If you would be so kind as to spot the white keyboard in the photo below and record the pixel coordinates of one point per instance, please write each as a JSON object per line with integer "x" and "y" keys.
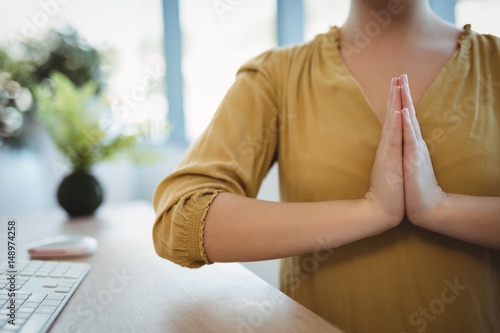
{"x": 42, "y": 289}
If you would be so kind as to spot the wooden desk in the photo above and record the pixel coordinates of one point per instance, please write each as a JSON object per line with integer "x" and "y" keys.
{"x": 131, "y": 289}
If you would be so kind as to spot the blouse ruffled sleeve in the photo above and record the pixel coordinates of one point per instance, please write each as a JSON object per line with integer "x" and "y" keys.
{"x": 233, "y": 155}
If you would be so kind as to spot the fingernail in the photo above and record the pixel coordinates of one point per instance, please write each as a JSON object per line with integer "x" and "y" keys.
{"x": 393, "y": 81}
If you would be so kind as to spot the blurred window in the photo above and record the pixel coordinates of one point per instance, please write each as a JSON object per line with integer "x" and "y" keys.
{"x": 130, "y": 32}
{"x": 481, "y": 14}
{"x": 320, "y": 15}
{"x": 218, "y": 37}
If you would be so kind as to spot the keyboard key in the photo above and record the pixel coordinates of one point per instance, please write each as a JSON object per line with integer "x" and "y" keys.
{"x": 31, "y": 304}
{"x": 56, "y": 297}
{"x": 18, "y": 301}
{"x": 42, "y": 274}
{"x": 35, "y": 323}
{"x": 44, "y": 289}
{"x": 22, "y": 315}
{"x": 11, "y": 328}
{"x": 37, "y": 297}
{"x": 73, "y": 274}
{"x": 25, "y": 310}
{"x": 57, "y": 274}
{"x": 62, "y": 290}
{"x": 20, "y": 321}
{"x": 46, "y": 309}
{"x": 21, "y": 295}
{"x": 4, "y": 311}
{"x": 50, "y": 284}
{"x": 51, "y": 302}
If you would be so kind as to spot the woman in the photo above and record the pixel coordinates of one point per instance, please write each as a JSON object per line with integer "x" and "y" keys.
{"x": 390, "y": 219}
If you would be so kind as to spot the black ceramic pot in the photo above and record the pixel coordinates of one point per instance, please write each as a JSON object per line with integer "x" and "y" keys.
{"x": 80, "y": 193}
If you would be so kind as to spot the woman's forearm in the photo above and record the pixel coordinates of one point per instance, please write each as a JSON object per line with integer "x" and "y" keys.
{"x": 472, "y": 219}
{"x": 244, "y": 229}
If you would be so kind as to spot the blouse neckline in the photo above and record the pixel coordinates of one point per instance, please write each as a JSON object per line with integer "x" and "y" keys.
{"x": 460, "y": 55}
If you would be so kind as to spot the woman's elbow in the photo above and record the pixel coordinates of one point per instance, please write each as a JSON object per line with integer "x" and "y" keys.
{"x": 172, "y": 242}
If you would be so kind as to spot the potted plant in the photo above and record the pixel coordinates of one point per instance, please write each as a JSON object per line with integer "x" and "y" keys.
{"x": 63, "y": 50}
{"x": 71, "y": 116}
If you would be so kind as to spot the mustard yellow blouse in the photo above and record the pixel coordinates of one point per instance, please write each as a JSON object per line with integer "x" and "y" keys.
{"x": 301, "y": 108}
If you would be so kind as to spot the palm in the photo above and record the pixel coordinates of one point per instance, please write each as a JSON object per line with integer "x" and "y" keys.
{"x": 422, "y": 192}
{"x": 386, "y": 189}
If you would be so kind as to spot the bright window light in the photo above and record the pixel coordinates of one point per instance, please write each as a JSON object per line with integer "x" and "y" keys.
{"x": 218, "y": 37}
{"x": 481, "y": 14}
{"x": 131, "y": 30}
{"x": 320, "y": 15}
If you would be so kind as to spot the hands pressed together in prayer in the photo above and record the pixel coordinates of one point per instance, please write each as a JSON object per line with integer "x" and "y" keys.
{"x": 403, "y": 182}
{"x": 402, "y": 179}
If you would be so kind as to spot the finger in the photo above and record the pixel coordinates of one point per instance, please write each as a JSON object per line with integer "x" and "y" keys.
{"x": 407, "y": 102}
{"x": 396, "y": 100}
{"x": 387, "y": 137}
{"x": 394, "y": 117}
{"x": 397, "y": 142}
{"x": 410, "y": 145}
{"x": 394, "y": 83}
{"x": 403, "y": 79}
{"x": 394, "y": 105}
{"x": 406, "y": 98}
{"x": 396, "y": 135}
{"x": 393, "y": 153}
{"x": 410, "y": 142}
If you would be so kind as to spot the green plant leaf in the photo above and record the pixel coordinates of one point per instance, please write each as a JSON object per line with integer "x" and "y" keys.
{"x": 74, "y": 127}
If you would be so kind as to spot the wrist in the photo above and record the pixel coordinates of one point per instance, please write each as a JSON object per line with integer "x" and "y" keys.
{"x": 376, "y": 215}
{"x": 434, "y": 215}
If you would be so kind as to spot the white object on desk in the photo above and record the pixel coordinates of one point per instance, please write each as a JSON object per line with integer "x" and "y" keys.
{"x": 63, "y": 246}
{"x": 42, "y": 289}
